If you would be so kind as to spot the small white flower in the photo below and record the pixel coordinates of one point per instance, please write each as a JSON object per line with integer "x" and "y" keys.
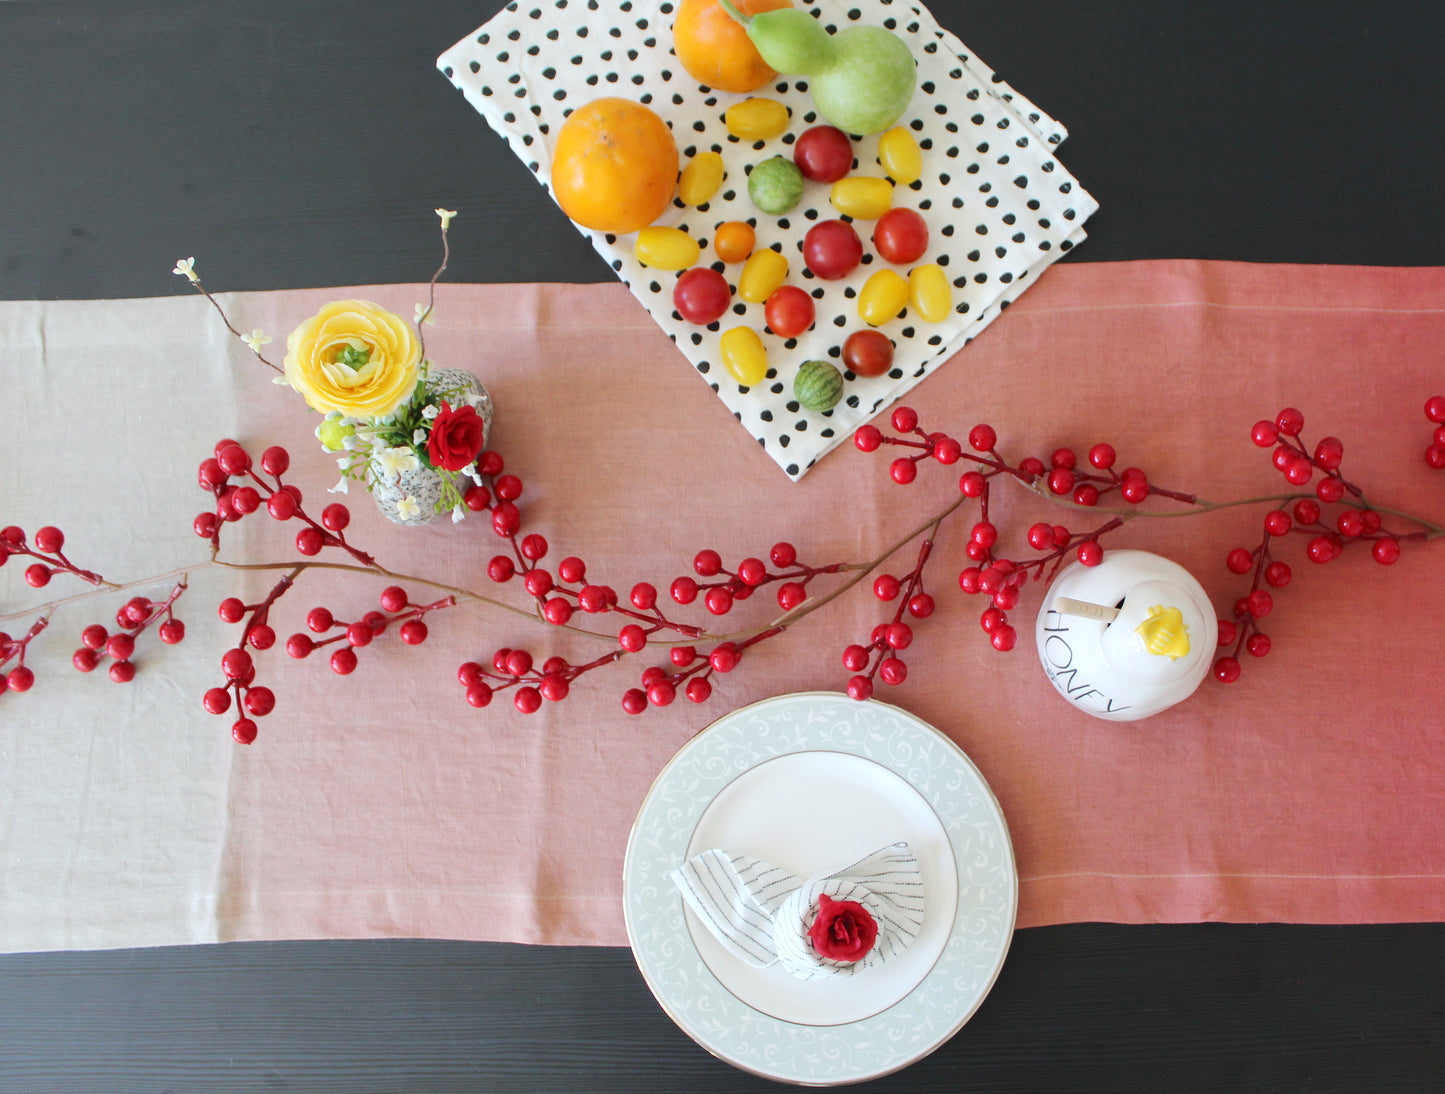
{"x": 474, "y": 474}
{"x": 418, "y": 436}
{"x": 424, "y": 314}
{"x": 343, "y": 486}
{"x": 186, "y": 267}
{"x": 429, "y": 412}
{"x": 446, "y": 215}
{"x": 351, "y": 444}
{"x": 407, "y": 508}
{"x": 256, "y": 339}
{"x": 459, "y": 513}
{"x": 396, "y": 460}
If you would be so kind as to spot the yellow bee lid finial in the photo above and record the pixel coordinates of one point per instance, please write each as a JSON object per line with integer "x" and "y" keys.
{"x": 1165, "y": 633}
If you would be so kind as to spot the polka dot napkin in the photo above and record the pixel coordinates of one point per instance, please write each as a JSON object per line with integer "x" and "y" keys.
{"x": 998, "y": 204}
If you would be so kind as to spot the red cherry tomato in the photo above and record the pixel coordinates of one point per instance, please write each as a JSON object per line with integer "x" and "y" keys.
{"x": 701, "y": 295}
{"x": 868, "y": 353}
{"x": 832, "y": 249}
{"x": 900, "y": 236}
{"x": 823, "y": 153}
{"x": 789, "y": 311}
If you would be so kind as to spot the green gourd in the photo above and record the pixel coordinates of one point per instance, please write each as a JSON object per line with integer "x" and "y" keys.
{"x": 818, "y": 385}
{"x": 861, "y": 78}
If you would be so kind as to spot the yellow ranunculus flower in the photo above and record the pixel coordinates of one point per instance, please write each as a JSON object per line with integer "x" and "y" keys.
{"x": 353, "y": 357}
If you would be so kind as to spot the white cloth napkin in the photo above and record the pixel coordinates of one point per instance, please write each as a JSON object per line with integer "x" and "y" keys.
{"x": 762, "y": 913}
{"x": 998, "y": 204}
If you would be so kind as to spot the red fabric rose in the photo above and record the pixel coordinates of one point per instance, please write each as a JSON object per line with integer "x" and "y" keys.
{"x": 843, "y": 930}
{"x": 456, "y": 438}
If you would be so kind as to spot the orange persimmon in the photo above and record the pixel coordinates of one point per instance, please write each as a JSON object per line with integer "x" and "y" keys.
{"x": 715, "y": 49}
{"x": 614, "y": 166}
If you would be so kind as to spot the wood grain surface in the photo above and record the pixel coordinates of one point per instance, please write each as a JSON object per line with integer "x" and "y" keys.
{"x": 306, "y": 143}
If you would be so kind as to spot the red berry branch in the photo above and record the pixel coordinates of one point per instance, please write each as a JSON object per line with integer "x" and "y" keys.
{"x": 1002, "y": 579}
{"x": 688, "y": 655}
{"x": 282, "y": 500}
{"x": 97, "y": 643}
{"x": 558, "y": 596}
{"x": 1354, "y": 522}
{"x": 133, "y": 618}
{"x": 47, "y": 548}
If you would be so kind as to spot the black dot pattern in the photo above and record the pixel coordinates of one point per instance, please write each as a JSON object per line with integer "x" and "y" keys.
{"x": 998, "y": 204}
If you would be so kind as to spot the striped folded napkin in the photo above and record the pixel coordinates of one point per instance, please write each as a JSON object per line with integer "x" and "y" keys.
{"x": 765, "y": 915}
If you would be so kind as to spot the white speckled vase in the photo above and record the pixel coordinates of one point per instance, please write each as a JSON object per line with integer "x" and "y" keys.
{"x": 425, "y": 485}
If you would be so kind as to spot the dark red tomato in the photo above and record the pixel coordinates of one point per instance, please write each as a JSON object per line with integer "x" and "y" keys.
{"x": 868, "y": 353}
{"x": 823, "y": 153}
{"x": 789, "y": 311}
{"x": 832, "y": 249}
{"x": 900, "y": 236}
{"x": 701, "y": 295}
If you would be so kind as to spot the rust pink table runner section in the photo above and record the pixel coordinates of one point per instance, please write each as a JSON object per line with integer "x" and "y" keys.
{"x": 382, "y": 805}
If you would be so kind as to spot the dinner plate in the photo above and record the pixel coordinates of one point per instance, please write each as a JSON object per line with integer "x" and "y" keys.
{"x": 811, "y": 782}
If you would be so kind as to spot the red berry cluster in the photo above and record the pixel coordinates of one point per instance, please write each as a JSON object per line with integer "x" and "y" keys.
{"x": 397, "y": 610}
{"x": 237, "y": 499}
{"x": 21, "y": 677}
{"x": 721, "y": 588}
{"x": 47, "y": 549}
{"x": 1352, "y": 523}
{"x": 1435, "y": 411}
{"x": 133, "y": 618}
{"x": 880, "y": 656}
{"x": 238, "y": 666}
{"x": 1000, "y": 579}
{"x": 515, "y": 668}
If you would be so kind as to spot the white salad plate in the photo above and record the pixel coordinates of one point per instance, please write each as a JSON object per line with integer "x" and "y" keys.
{"x": 813, "y": 782}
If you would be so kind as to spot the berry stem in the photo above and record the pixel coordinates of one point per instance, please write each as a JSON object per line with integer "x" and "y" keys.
{"x": 263, "y": 609}
{"x": 106, "y": 587}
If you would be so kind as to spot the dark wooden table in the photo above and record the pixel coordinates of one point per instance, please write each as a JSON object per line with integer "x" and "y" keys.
{"x": 305, "y": 144}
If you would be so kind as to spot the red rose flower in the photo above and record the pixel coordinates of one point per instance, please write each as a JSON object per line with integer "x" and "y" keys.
{"x": 843, "y": 930}
{"x": 456, "y": 438}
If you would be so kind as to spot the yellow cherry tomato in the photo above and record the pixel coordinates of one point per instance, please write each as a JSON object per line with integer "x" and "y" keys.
{"x": 862, "y": 197}
{"x": 666, "y": 248}
{"x": 763, "y": 272}
{"x": 700, "y": 178}
{"x": 744, "y": 355}
{"x": 900, "y": 156}
{"x": 929, "y": 293}
{"x": 756, "y": 119}
{"x": 734, "y": 240}
{"x": 882, "y": 297}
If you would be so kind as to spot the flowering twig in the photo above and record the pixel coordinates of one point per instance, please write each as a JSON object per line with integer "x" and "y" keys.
{"x": 186, "y": 268}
